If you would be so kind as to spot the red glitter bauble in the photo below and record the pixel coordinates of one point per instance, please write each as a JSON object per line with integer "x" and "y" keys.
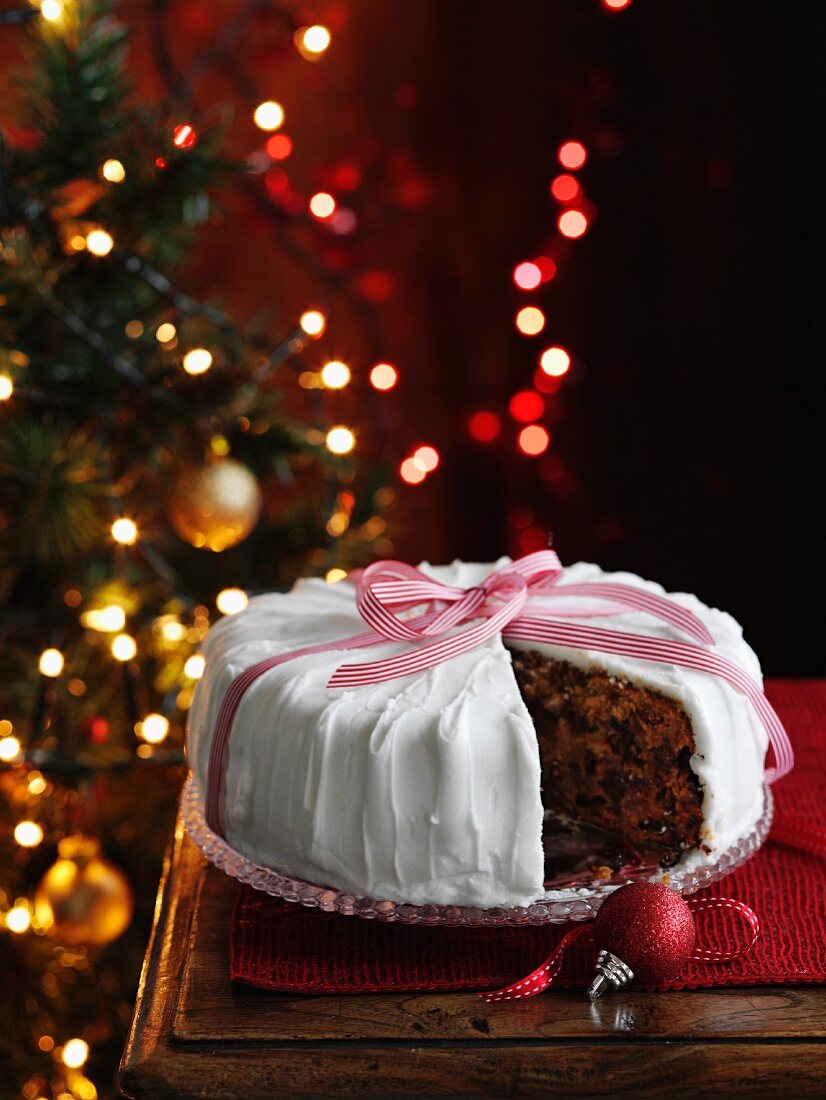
{"x": 649, "y": 927}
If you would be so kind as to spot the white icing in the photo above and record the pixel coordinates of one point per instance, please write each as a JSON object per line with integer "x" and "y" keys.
{"x": 427, "y": 788}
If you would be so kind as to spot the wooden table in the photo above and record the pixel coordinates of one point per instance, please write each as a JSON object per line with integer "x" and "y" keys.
{"x": 194, "y": 1036}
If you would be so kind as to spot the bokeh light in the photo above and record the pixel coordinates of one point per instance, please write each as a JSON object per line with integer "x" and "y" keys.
{"x": 565, "y": 188}
{"x": 268, "y": 115}
{"x": 9, "y": 749}
{"x": 124, "y": 531}
{"x": 197, "y": 361}
{"x": 322, "y": 205}
{"x": 572, "y": 224}
{"x": 335, "y": 375}
{"x": 412, "y": 472}
{"x": 230, "y": 601}
{"x": 484, "y": 426}
{"x": 311, "y": 42}
{"x": 28, "y": 834}
{"x": 51, "y": 663}
{"x": 99, "y": 242}
{"x": 526, "y": 405}
{"x": 74, "y": 1053}
{"x": 313, "y": 322}
{"x": 383, "y": 376}
{"x": 340, "y": 440}
{"x": 194, "y": 667}
{"x": 279, "y": 146}
{"x": 530, "y": 320}
{"x": 113, "y": 171}
{"x": 572, "y": 155}
{"x": 184, "y": 136}
{"x": 18, "y": 919}
{"x": 6, "y": 387}
{"x": 124, "y": 647}
{"x": 427, "y": 457}
{"x": 534, "y": 440}
{"x": 154, "y": 728}
{"x": 333, "y": 576}
{"x": 615, "y": 5}
{"x": 527, "y": 276}
{"x": 555, "y": 361}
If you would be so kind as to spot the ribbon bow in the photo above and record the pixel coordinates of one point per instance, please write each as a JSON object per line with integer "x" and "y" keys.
{"x": 457, "y": 620}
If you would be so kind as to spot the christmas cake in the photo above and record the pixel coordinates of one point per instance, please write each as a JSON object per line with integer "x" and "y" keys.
{"x": 474, "y": 782}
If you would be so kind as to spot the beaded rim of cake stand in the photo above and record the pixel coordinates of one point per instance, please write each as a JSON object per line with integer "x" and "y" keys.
{"x": 573, "y": 904}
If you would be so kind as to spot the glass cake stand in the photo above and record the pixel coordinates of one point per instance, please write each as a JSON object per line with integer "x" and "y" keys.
{"x": 577, "y": 900}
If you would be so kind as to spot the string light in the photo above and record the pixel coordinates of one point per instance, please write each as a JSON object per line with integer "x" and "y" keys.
{"x": 37, "y": 784}
{"x": 322, "y": 205}
{"x": 74, "y": 1053}
{"x": 311, "y": 42}
{"x": 6, "y": 387}
{"x": 51, "y": 663}
{"x": 616, "y": 5}
{"x": 124, "y": 531}
{"x": 530, "y": 320}
{"x": 194, "y": 667}
{"x": 340, "y": 440}
{"x": 107, "y": 620}
{"x": 28, "y": 834}
{"x": 113, "y": 171}
{"x": 335, "y": 575}
{"x": 527, "y": 276}
{"x": 526, "y": 405}
{"x": 154, "y": 728}
{"x": 165, "y": 332}
{"x": 383, "y": 376}
{"x": 335, "y": 375}
{"x": 484, "y": 426}
{"x": 268, "y": 115}
{"x": 99, "y": 242}
{"x": 572, "y": 224}
{"x": 231, "y": 600}
{"x": 555, "y": 361}
{"x": 534, "y": 440}
{"x": 572, "y": 155}
{"x": 18, "y": 919}
{"x": 565, "y": 188}
{"x": 547, "y": 267}
{"x": 124, "y": 647}
{"x": 51, "y": 10}
{"x": 184, "y": 136}
{"x": 173, "y": 631}
{"x": 9, "y": 749}
{"x": 427, "y": 457}
{"x": 197, "y": 361}
{"x": 313, "y": 322}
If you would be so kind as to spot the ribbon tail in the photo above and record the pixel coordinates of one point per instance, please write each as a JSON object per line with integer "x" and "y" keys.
{"x": 543, "y": 977}
{"x": 713, "y": 954}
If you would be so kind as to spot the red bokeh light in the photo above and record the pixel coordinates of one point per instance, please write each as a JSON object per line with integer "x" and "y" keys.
{"x": 616, "y": 5}
{"x": 565, "y": 188}
{"x": 547, "y": 267}
{"x": 527, "y": 276}
{"x": 347, "y": 177}
{"x": 276, "y": 181}
{"x": 427, "y": 457}
{"x": 411, "y": 472}
{"x": 383, "y": 376}
{"x": 184, "y": 136}
{"x": 545, "y": 383}
{"x": 572, "y": 224}
{"x": 279, "y": 146}
{"x": 376, "y": 286}
{"x": 161, "y": 163}
{"x": 572, "y": 155}
{"x": 534, "y": 440}
{"x": 533, "y": 539}
{"x": 484, "y": 426}
{"x": 520, "y": 516}
{"x": 526, "y": 405}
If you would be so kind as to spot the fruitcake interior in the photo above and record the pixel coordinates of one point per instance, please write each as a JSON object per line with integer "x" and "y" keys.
{"x": 614, "y": 756}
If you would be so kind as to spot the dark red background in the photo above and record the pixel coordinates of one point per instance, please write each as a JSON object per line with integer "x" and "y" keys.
{"x": 690, "y": 439}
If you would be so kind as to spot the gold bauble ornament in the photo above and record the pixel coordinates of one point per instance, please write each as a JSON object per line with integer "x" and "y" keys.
{"x": 83, "y": 898}
{"x": 215, "y": 506}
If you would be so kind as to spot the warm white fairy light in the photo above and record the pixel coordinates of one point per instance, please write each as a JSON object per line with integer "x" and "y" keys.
{"x": 173, "y": 631}
{"x": 107, "y": 620}
{"x": 124, "y": 647}
{"x": 335, "y": 375}
{"x": 99, "y": 242}
{"x": 51, "y": 10}
{"x": 312, "y": 41}
{"x": 124, "y": 531}
{"x": 18, "y": 919}
{"x": 9, "y": 749}
{"x": 231, "y": 600}
{"x": 268, "y": 115}
{"x": 154, "y": 728}
{"x": 165, "y": 332}
{"x": 6, "y": 387}
{"x": 340, "y": 440}
{"x": 335, "y": 575}
{"x": 74, "y": 1053}
{"x": 313, "y": 322}
{"x": 113, "y": 171}
{"x": 197, "y": 361}
{"x": 51, "y": 663}
{"x": 194, "y": 667}
{"x": 28, "y": 834}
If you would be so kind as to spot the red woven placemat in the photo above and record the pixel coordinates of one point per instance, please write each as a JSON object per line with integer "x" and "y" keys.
{"x": 281, "y": 946}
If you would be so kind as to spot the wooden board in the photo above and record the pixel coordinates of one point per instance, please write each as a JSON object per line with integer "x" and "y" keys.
{"x": 194, "y": 1035}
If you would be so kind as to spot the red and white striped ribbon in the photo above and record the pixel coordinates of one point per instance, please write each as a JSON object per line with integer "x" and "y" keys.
{"x": 547, "y": 972}
{"x": 460, "y": 619}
